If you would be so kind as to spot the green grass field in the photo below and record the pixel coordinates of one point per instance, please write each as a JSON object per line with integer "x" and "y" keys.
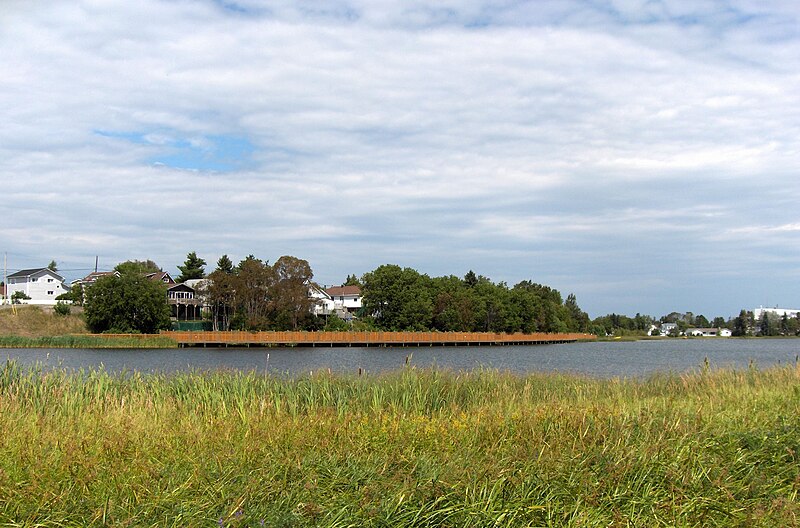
{"x": 410, "y": 448}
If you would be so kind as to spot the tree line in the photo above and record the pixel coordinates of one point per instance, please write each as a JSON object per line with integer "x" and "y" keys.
{"x": 257, "y": 295}
{"x": 744, "y": 324}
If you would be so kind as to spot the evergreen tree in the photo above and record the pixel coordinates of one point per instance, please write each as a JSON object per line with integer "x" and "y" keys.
{"x": 53, "y": 266}
{"x": 765, "y": 324}
{"x": 740, "y": 324}
{"x": 193, "y": 268}
{"x": 225, "y": 265}
{"x": 352, "y": 280}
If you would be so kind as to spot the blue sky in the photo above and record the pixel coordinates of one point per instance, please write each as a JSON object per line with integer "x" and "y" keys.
{"x": 641, "y": 154}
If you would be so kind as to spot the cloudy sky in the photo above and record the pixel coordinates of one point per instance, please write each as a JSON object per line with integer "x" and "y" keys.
{"x": 641, "y": 154}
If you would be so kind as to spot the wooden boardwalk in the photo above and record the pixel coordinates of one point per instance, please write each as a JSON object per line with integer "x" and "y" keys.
{"x": 365, "y": 339}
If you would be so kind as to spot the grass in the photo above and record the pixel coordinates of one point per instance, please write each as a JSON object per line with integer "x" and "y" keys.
{"x": 33, "y": 321}
{"x": 88, "y": 341}
{"x": 410, "y": 448}
{"x": 34, "y": 327}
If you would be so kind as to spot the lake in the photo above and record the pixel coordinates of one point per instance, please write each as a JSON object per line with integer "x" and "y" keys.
{"x": 599, "y": 359}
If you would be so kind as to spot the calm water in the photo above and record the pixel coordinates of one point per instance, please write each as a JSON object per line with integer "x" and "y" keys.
{"x": 606, "y": 359}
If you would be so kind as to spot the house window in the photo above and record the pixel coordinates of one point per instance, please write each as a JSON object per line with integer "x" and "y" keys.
{"x": 34, "y": 279}
{"x": 50, "y": 292}
{"x": 49, "y": 280}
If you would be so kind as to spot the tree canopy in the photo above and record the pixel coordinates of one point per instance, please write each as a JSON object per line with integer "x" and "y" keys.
{"x": 396, "y": 298}
{"x": 130, "y": 303}
{"x": 255, "y": 295}
{"x": 137, "y": 267}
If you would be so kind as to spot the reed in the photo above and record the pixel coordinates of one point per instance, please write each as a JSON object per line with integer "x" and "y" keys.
{"x": 408, "y": 448}
{"x": 87, "y": 341}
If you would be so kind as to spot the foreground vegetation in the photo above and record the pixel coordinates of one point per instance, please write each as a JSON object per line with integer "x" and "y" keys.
{"x": 410, "y": 448}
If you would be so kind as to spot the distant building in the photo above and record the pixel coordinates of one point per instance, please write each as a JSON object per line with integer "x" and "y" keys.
{"x": 667, "y": 328}
{"x": 778, "y": 312}
{"x": 708, "y": 332}
{"x": 42, "y": 285}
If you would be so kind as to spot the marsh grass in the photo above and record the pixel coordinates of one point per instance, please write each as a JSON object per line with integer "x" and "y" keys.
{"x": 87, "y": 341}
{"x": 409, "y": 448}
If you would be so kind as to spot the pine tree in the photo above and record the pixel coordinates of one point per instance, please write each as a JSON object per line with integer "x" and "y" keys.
{"x": 193, "y": 268}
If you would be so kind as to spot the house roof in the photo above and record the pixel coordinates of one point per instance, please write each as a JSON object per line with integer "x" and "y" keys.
{"x": 343, "y": 291}
{"x": 160, "y": 276}
{"x": 34, "y": 271}
{"x": 179, "y": 286}
{"x": 93, "y": 276}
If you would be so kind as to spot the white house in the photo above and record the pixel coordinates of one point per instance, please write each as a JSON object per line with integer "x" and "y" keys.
{"x": 345, "y": 297}
{"x": 708, "y": 332}
{"x": 667, "y": 328}
{"x": 342, "y": 301}
{"x": 42, "y": 285}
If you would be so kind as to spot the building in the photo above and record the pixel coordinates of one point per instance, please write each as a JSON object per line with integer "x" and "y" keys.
{"x": 708, "y": 332}
{"x": 345, "y": 297}
{"x": 183, "y": 302}
{"x": 342, "y": 301}
{"x": 778, "y": 313}
{"x": 42, "y": 285}
{"x": 92, "y": 278}
{"x": 668, "y": 328}
{"x": 161, "y": 276}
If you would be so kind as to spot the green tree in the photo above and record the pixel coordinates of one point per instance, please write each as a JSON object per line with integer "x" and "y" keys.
{"x": 220, "y": 293}
{"x": 225, "y": 265}
{"x": 130, "y": 303}
{"x": 765, "y": 325}
{"x": 53, "y": 266}
{"x": 193, "y": 268}
{"x": 785, "y": 324}
{"x": 290, "y": 302}
{"x": 253, "y": 287}
{"x": 741, "y": 324}
{"x": 137, "y": 267}
{"x": 701, "y": 322}
{"x": 352, "y": 280}
{"x": 18, "y": 296}
{"x": 398, "y": 298}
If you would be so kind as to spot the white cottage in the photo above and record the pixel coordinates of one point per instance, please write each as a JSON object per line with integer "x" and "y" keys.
{"x": 42, "y": 285}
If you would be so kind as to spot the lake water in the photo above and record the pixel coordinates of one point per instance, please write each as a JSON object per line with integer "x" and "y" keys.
{"x": 600, "y": 359}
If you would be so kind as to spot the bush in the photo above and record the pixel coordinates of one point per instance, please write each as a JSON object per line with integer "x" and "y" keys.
{"x": 62, "y": 308}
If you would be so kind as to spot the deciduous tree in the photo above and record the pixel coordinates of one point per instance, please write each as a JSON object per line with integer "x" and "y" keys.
{"x": 129, "y": 303}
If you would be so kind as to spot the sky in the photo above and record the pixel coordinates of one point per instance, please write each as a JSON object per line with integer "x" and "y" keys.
{"x": 643, "y": 155}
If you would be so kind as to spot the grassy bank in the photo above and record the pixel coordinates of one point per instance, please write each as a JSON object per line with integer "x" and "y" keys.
{"x": 411, "y": 448}
{"x": 36, "y": 321}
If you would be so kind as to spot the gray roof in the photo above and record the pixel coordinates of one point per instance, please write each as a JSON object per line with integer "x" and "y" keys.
{"x": 33, "y": 271}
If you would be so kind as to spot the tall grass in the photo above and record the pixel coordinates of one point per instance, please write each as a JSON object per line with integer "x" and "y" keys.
{"x": 87, "y": 341}
{"x": 37, "y": 321}
{"x": 409, "y": 448}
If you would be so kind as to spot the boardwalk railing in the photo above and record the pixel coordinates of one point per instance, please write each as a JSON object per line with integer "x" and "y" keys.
{"x": 237, "y": 338}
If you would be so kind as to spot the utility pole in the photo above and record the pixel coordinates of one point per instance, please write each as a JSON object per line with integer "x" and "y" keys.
{"x": 95, "y": 263}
